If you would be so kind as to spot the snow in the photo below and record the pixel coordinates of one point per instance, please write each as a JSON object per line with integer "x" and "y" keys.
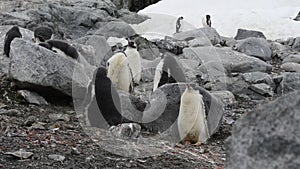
{"x": 272, "y": 17}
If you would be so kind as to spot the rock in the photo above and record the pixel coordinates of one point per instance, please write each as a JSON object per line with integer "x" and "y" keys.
{"x": 13, "y": 113}
{"x": 126, "y": 130}
{"x": 118, "y": 29}
{"x": 148, "y": 69}
{"x": 45, "y": 72}
{"x": 59, "y": 117}
{"x": 199, "y": 41}
{"x": 131, "y": 17}
{"x": 102, "y": 50}
{"x": 189, "y": 64}
{"x": 203, "y": 33}
{"x": 290, "y": 82}
{"x": 262, "y": 89}
{"x": 147, "y": 49}
{"x": 229, "y": 42}
{"x": 169, "y": 45}
{"x": 280, "y": 50}
{"x": 244, "y": 34}
{"x": 297, "y": 18}
{"x": 267, "y": 137}
{"x": 225, "y": 96}
{"x": 292, "y": 58}
{"x": 56, "y": 157}
{"x": 226, "y": 59}
{"x": 291, "y": 67}
{"x": 162, "y": 112}
{"x": 296, "y": 44}
{"x": 258, "y": 77}
{"x": 22, "y": 154}
{"x": 133, "y": 5}
{"x": 33, "y": 97}
{"x": 256, "y": 47}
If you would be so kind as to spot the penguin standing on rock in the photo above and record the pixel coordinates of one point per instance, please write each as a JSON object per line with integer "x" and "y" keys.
{"x": 119, "y": 72}
{"x": 61, "y": 48}
{"x": 42, "y": 33}
{"x": 168, "y": 70}
{"x": 134, "y": 60}
{"x": 192, "y": 120}
{"x": 206, "y": 21}
{"x": 13, "y": 33}
{"x": 179, "y": 24}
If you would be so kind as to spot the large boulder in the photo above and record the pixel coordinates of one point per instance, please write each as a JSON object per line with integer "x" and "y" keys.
{"x": 41, "y": 70}
{"x": 258, "y": 77}
{"x": 256, "y": 47}
{"x": 230, "y": 61}
{"x": 203, "y": 33}
{"x": 244, "y": 34}
{"x": 289, "y": 82}
{"x": 268, "y": 137}
{"x": 118, "y": 29}
{"x": 102, "y": 51}
{"x": 134, "y": 5}
{"x": 131, "y": 17}
{"x": 292, "y": 58}
{"x": 291, "y": 67}
{"x": 296, "y": 44}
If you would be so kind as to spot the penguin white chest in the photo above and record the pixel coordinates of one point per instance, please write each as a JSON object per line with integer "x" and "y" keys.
{"x": 134, "y": 60}
{"x": 158, "y": 74}
{"x": 118, "y": 71}
{"x": 192, "y": 124}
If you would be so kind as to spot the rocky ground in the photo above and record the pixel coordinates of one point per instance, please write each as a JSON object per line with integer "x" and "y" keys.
{"x": 245, "y": 73}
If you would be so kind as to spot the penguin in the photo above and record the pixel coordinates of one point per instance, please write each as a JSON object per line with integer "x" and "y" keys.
{"x": 192, "y": 118}
{"x": 42, "y": 33}
{"x": 168, "y": 70}
{"x": 134, "y": 59}
{"x": 206, "y": 21}
{"x": 11, "y": 34}
{"x": 108, "y": 100}
{"x": 119, "y": 72}
{"x": 179, "y": 24}
{"x": 60, "y": 47}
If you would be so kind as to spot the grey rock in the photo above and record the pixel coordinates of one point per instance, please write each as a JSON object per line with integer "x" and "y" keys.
{"x": 292, "y": 58}
{"x": 290, "y": 82}
{"x": 13, "y": 112}
{"x": 56, "y": 157}
{"x": 297, "y": 18}
{"x": 267, "y": 137}
{"x": 33, "y": 97}
{"x": 199, "y": 41}
{"x": 126, "y": 130}
{"x": 162, "y": 112}
{"x": 280, "y": 50}
{"x": 22, "y": 154}
{"x": 59, "y": 117}
{"x": 118, "y": 29}
{"x": 291, "y": 67}
{"x": 226, "y": 59}
{"x": 45, "y": 72}
{"x": 244, "y": 34}
{"x": 296, "y": 44}
{"x": 257, "y": 47}
{"x": 170, "y": 45}
{"x": 134, "y": 5}
{"x": 148, "y": 69}
{"x": 189, "y": 64}
{"x": 149, "y": 53}
{"x": 258, "y": 77}
{"x": 203, "y": 33}
{"x": 229, "y": 42}
{"x": 102, "y": 50}
{"x": 131, "y": 17}
{"x": 262, "y": 89}
{"x": 225, "y": 96}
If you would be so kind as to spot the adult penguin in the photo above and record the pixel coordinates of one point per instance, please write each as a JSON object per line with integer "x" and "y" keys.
{"x": 11, "y": 34}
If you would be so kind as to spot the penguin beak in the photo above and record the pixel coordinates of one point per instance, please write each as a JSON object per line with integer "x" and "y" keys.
{"x": 189, "y": 86}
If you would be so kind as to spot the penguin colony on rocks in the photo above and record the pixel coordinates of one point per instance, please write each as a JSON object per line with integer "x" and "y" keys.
{"x": 123, "y": 72}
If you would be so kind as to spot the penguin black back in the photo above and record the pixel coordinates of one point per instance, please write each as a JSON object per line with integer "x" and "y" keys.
{"x": 13, "y": 33}
{"x": 107, "y": 98}
{"x": 61, "y": 45}
{"x": 43, "y": 33}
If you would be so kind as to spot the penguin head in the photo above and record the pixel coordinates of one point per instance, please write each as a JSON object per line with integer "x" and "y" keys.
{"x": 17, "y": 31}
{"x": 191, "y": 87}
{"x": 181, "y": 17}
{"x": 207, "y": 17}
{"x": 131, "y": 43}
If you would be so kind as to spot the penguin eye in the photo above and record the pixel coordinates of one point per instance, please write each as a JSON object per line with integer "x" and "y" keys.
{"x": 107, "y": 64}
